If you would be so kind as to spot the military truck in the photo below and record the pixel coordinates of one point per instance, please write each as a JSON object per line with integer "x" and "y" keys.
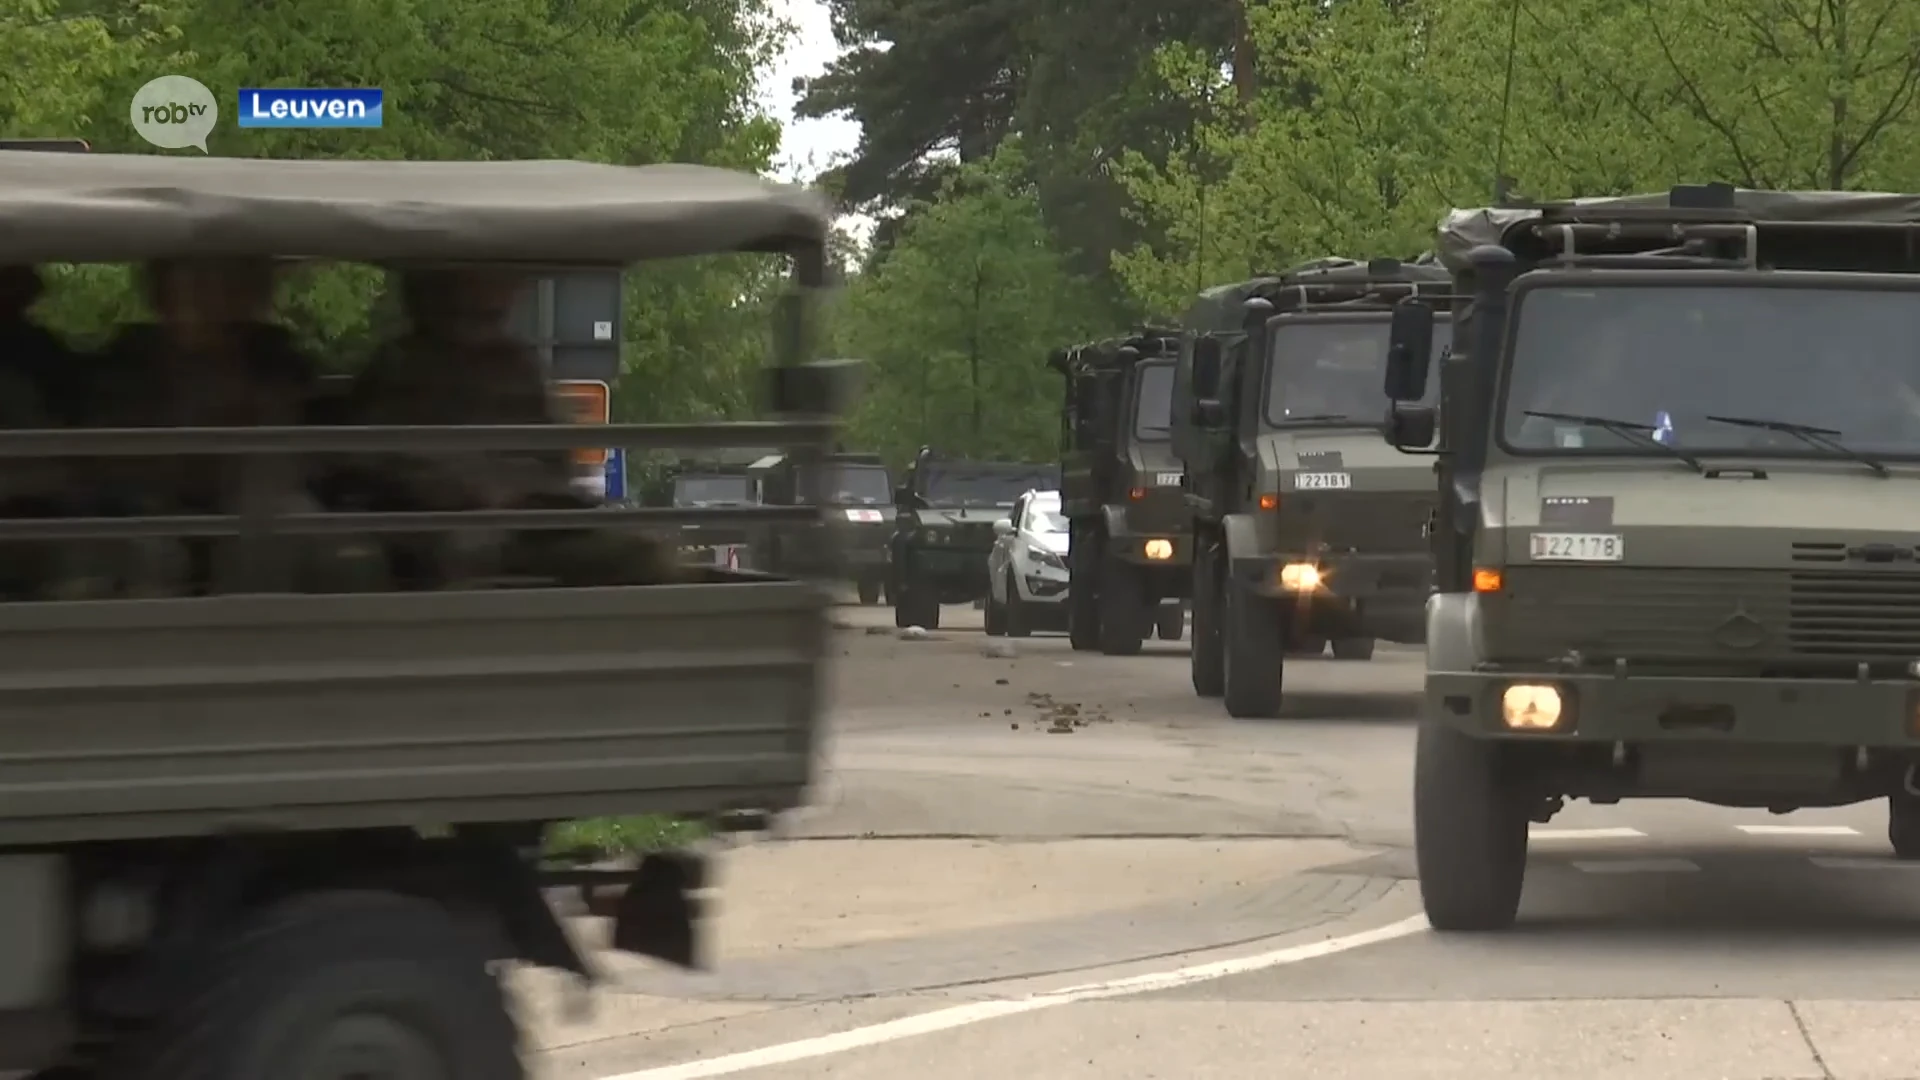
{"x": 723, "y": 478}
{"x": 1130, "y": 552}
{"x": 943, "y": 530}
{"x": 1307, "y": 527}
{"x": 859, "y": 510}
{"x": 269, "y": 832}
{"x": 1675, "y": 551}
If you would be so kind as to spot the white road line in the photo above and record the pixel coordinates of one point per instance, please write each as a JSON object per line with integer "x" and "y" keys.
{"x": 1798, "y": 830}
{"x": 978, "y": 1012}
{"x": 1584, "y": 834}
{"x": 1836, "y": 862}
{"x": 1637, "y": 866}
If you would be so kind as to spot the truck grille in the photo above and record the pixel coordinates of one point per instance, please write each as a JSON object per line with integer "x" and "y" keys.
{"x": 1610, "y": 612}
{"x": 1367, "y": 521}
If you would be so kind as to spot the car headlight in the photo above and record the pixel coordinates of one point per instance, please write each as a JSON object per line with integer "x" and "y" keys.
{"x": 1044, "y": 557}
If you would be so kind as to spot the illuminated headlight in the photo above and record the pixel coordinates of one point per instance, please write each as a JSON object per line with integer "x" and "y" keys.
{"x": 1531, "y": 707}
{"x": 1300, "y": 577}
{"x": 1158, "y": 549}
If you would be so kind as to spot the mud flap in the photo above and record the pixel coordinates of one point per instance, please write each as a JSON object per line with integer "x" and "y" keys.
{"x": 659, "y": 915}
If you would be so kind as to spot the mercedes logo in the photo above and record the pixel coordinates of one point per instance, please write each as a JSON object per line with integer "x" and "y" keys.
{"x": 1740, "y": 630}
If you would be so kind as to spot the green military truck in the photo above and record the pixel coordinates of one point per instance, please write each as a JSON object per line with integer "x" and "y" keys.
{"x": 1679, "y": 453}
{"x": 716, "y": 480}
{"x": 943, "y": 530}
{"x": 1130, "y": 553}
{"x": 858, "y": 502}
{"x": 1308, "y": 528}
{"x": 267, "y": 831}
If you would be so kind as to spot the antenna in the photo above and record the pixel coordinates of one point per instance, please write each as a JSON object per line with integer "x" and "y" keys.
{"x": 1500, "y": 182}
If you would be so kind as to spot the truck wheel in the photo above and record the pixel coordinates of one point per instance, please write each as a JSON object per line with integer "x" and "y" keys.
{"x": 917, "y": 605}
{"x": 1125, "y": 617}
{"x": 869, "y": 589}
{"x": 1083, "y": 590}
{"x": 1209, "y": 674}
{"x": 1903, "y": 825}
{"x": 1353, "y": 648}
{"x": 1170, "y": 623}
{"x": 996, "y": 617}
{"x": 1469, "y": 831}
{"x": 1254, "y": 655}
{"x": 1019, "y": 621}
{"x": 1307, "y": 646}
{"x": 340, "y": 984}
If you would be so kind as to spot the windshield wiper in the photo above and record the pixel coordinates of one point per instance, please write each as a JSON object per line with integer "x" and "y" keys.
{"x": 1315, "y": 418}
{"x": 1817, "y": 437}
{"x": 1638, "y": 434}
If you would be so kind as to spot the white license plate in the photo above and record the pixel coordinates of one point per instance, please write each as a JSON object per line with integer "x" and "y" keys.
{"x": 863, "y": 515}
{"x": 1322, "y": 481}
{"x": 1577, "y": 547}
{"x": 1167, "y": 479}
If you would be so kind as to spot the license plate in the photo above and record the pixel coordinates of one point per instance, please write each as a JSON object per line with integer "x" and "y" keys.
{"x": 863, "y": 515}
{"x": 1322, "y": 481}
{"x": 1577, "y": 547}
{"x": 1167, "y": 479}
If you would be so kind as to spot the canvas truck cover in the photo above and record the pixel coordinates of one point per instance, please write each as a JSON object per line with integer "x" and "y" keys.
{"x": 132, "y": 207}
{"x": 1463, "y": 230}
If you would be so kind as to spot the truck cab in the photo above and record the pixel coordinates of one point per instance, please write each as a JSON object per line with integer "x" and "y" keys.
{"x": 1131, "y": 538}
{"x": 1308, "y": 528}
{"x": 855, "y": 492}
{"x": 1679, "y": 455}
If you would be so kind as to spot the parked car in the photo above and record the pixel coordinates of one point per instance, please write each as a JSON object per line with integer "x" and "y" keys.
{"x": 1027, "y": 568}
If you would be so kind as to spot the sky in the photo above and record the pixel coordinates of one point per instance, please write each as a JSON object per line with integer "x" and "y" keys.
{"x": 808, "y": 145}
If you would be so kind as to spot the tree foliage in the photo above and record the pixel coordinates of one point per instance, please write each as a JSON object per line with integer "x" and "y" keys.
{"x": 956, "y": 323}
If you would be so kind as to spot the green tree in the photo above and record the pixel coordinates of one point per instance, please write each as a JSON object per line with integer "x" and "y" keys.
{"x": 957, "y": 320}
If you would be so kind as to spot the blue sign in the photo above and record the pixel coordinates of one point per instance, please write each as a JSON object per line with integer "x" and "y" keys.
{"x": 310, "y": 108}
{"x": 616, "y": 475}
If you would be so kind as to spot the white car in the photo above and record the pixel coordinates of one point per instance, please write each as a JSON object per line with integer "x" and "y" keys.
{"x": 1027, "y": 568}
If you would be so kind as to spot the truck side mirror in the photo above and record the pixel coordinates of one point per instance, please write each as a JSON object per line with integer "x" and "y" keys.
{"x": 1411, "y": 428}
{"x": 1409, "y": 351}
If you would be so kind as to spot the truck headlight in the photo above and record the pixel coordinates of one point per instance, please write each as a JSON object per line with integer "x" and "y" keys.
{"x": 1531, "y": 707}
{"x": 1158, "y": 549}
{"x": 1300, "y": 577}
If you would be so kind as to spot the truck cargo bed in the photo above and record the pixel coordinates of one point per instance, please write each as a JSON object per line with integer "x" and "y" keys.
{"x": 123, "y": 719}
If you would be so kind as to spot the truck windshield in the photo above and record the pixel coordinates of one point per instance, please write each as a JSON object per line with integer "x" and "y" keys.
{"x": 852, "y": 485}
{"x": 1672, "y": 358}
{"x": 979, "y": 487}
{"x": 1335, "y": 372}
{"x": 712, "y": 490}
{"x": 1153, "y": 402}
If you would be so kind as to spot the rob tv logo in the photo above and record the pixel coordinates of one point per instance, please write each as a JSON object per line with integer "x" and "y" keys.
{"x": 310, "y": 108}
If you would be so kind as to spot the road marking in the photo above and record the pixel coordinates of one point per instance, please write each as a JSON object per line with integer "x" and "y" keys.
{"x": 962, "y": 1015}
{"x": 1584, "y": 834}
{"x": 1798, "y": 830}
{"x": 1840, "y": 862}
{"x": 1637, "y": 866}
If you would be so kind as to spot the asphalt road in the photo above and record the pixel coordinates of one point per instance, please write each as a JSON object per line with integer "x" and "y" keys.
{"x": 1058, "y": 864}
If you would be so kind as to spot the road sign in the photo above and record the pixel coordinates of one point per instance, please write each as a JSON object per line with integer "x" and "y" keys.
{"x": 585, "y": 401}
{"x": 616, "y": 475}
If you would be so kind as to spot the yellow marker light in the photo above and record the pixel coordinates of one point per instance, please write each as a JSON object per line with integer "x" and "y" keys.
{"x": 1159, "y": 549}
{"x": 1300, "y": 577}
{"x": 1486, "y": 580}
{"x": 1530, "y": 707}
{"x": 1269, "y": 501}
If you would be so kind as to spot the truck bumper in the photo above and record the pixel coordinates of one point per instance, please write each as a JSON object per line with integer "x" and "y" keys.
{"x": 1384, "y": 595}
{"x": 1642, "y": 709}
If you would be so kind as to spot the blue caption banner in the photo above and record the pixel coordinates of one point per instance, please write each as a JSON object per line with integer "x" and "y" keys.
{"x": 310, "y": 108}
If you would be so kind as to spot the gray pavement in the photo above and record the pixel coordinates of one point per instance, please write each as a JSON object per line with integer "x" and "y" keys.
{"x": 963, "y": 858}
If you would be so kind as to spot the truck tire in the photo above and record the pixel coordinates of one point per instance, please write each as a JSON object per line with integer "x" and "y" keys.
{"x": 1017, "y": 619}
{"x": 1254, "y": 653}
{"x": 1170, "y": 623}
{"x": 1305, "y": 645}
{"x": 365, "y": 983}
{"x": 1469, "y": 832}
{"x": 869, "y": 590}
{"x": 1903, "y": 825}
{"x": 917, "y": 605}
{"x": 1353, "y": 648}
{"x": 1206, "y": 660}
{"x": 1125, "y": 617}
{"x": 995, "y": 616}
{"x": 1083, "y": 590}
